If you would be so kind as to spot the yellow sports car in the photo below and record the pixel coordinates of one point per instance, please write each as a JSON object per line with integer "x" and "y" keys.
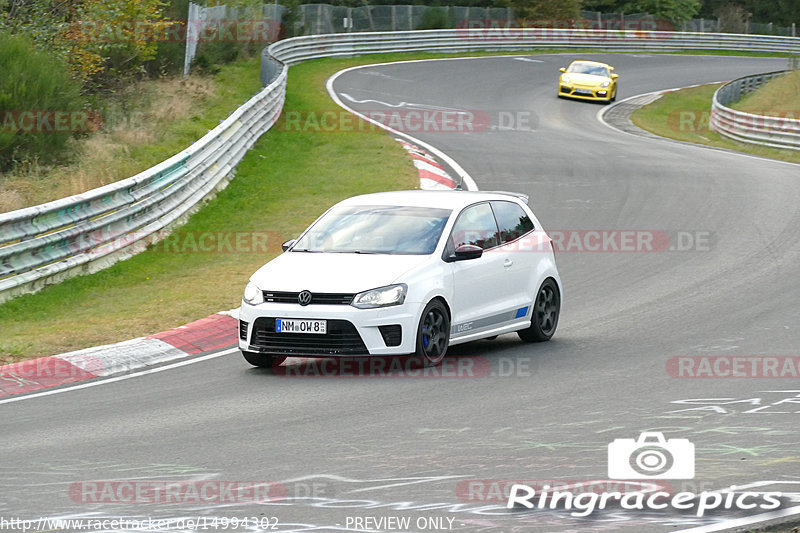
{"x": 588, "y": 80}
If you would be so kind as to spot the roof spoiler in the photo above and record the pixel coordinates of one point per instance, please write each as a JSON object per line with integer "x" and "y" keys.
{"x": 523, "y": 197}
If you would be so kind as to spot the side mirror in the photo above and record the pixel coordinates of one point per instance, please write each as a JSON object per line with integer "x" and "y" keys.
{"x": 288, "y": 244}
{"x": 468, "y": 251}
{"x": 563, "y": 69}
{"x": 614, "y": 76}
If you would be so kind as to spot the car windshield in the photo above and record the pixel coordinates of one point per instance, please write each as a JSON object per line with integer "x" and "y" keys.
{"x": 376, "y": 229}
{"x": 585, "y": 68}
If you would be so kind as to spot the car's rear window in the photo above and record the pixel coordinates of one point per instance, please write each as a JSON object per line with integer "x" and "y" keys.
{"x": 376, "y": 229}
{"x": 512, "y": 220}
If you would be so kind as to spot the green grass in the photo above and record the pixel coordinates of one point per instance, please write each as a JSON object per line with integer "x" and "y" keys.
{"x": 778, "y": 97}
{"x": 142, "y": 125}
{"x": 683, "y": 115}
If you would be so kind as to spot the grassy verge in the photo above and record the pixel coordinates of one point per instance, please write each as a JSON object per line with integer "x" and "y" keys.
{"x": 778, "y": 97}
{"x": 142, "y": 126}
{"x": 683, "y": 115}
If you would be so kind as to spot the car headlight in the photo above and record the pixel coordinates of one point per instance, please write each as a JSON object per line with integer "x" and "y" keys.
{"x": 605, "y": 84}
{"x": 252, "y": 294}
{"x": 565, "y": 79}
{"x": 381, "y": 297}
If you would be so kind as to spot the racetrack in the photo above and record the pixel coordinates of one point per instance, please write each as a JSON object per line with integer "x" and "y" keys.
{"x": 407, "y": 446}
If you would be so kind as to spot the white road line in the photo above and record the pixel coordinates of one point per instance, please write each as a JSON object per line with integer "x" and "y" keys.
{"x": 462, "y": 174}
{"x": 120, "y": 378}
{"x": 410, "y": 105}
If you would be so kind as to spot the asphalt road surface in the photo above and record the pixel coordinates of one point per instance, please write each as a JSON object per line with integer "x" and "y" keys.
{"x": 368, "y": 453}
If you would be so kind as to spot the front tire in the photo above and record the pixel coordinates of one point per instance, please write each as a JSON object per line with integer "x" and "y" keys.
{"x": 545, "y": 314}
{"x": 433, "y": 334}
{"x": 263, "y": 360}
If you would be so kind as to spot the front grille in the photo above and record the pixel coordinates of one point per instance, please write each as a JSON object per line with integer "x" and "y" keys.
{"x": 392, "y": 335}
{"x": 341, "y": 338}
{"x": 243, "y": 330}
{"x": 321, "y": 298}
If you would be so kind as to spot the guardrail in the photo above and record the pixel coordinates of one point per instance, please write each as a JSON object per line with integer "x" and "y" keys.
{"x": 777, "y": 132}
{"x": 299, "y": 49}
{"x": 83, "y": 233}
{"x": 43, "y": 244}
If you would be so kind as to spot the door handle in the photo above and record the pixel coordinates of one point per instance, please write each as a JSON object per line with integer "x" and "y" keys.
{"x": 507, "y": 263}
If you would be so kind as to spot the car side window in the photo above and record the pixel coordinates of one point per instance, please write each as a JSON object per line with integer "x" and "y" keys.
{"x": 475, "y": 225}
{"x": 512, "y": 220}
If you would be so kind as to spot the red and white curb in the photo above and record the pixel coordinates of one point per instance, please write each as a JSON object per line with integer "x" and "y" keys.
{"x": 432, "y": 175}
{"x": 210, "y": 333}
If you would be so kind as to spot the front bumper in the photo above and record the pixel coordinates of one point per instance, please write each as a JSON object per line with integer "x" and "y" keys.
{"x": 351, "y": 331}
{"x": 585, "y": 93}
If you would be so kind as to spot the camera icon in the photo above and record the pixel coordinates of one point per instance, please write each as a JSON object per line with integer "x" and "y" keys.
{"x": 651, "y": 457}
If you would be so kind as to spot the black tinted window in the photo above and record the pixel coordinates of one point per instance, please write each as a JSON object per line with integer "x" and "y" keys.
{"x": 475, "y": 225}
{"x": 512, "y": 220}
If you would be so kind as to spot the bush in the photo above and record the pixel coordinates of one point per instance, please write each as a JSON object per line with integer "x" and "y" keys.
{"x": 434, "y": 18}
{"x": 217, "y": 48}
{"x": 40, "y": 104}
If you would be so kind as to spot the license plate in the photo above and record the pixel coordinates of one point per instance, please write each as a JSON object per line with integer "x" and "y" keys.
{"x": 583, "y": 92}
{"x": 293, "y": 325}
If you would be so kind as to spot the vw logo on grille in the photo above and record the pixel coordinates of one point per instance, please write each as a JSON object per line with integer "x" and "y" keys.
{"x": 304, "y": 298}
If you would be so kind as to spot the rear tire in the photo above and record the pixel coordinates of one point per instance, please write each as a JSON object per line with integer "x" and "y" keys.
{"x": 433, "y": 334}
{"x": 546, "y": 309}
{"x": 263, "y": 360}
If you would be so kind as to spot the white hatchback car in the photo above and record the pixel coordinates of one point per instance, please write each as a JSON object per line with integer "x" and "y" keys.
{"x": 400, "y": 273}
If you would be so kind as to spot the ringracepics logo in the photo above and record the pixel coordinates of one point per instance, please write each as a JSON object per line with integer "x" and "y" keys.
{"x": 586, "y": 503}
{"x": 648, "y": 457}
{"x": 651, "y": 457}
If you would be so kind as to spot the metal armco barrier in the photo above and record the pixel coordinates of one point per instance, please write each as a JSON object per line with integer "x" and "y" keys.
{"x": 468, "y": 39}
{"x": 83, "y": 233}
{"x": 46, "y": 243}
{"x": 777, "y": 132}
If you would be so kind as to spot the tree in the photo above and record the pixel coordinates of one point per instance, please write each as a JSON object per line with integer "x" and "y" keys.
{"x": 545, "y": 9}
{"x": 675, "y": 11}
{"x": 40, "y": 104}
{"x": 101, "y": 40}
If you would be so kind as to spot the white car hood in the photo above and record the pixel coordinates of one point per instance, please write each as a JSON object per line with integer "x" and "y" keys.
{"x": 333, "y": 272}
